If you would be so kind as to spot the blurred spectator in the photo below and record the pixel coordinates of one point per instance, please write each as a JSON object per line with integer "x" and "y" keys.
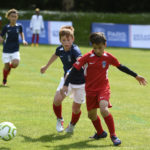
{"x": 67, "y": 5}
{"x": 36, "y": 25}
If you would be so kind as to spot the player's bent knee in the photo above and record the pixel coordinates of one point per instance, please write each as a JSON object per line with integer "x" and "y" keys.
{"x": 76, "y": 108}
{"x": 76, "y": 111}
{"x": 104, "y": 112}
{"x": 58, "y": 100}
{"x": 14, "y": 65}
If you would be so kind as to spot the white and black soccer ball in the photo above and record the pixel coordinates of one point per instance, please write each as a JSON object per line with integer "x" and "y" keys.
{"x": 7, "y": 131}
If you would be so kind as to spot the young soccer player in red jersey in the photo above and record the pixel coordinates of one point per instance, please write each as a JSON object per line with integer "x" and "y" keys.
{"x": 96, "y": 64}
{"x": 68, "y": 53}
{"x": 11, "y": 32}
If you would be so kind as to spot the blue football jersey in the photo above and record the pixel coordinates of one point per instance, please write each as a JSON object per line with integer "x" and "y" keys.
{"x": 11, "y": 40}
{"x": 68, "y": 59}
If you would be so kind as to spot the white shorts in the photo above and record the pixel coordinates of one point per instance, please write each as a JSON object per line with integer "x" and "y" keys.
{"x": 8, "y": 57}
{"x": 77, "y": 92}
{"x": 36, "y": 31}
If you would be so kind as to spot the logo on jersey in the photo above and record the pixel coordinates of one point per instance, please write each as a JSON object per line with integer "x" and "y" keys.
{"x": 17, "y": 30}
{"x": 103, "y": 64}
{"x": 92, "y": 55}
{"x": 61, "y": 49}
{"x": 91, "y": 63}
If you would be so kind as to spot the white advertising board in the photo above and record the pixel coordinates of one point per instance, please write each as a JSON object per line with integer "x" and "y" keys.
{"x": 140, "y": 36}
{"x": 53, "y": 29}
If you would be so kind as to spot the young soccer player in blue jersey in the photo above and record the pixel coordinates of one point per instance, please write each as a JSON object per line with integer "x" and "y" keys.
{"x": 11, "y": 32}
{"x": 68, "y": 53}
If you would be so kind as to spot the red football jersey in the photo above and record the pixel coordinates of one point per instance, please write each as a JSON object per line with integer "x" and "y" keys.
{"x": 95, "y": 70}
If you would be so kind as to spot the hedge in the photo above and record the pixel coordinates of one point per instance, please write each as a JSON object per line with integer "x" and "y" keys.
{"x": 82, "y": 21}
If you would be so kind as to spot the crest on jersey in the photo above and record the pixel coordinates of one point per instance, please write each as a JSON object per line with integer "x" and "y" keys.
{"x": 17, "y": 30}
{"x": 92, "y": 55}
{"x": 103, "y": 64}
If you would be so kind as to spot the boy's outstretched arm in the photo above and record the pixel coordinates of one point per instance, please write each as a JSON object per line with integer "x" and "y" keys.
{"x": 23, "y": 39}
{"x": 51, "y": 60}
{"x": 139, "y": 78}
{"x": 73, "y": 72}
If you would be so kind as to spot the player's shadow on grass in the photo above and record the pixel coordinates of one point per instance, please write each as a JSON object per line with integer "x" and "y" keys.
{"x": 53, "y": 137}
{"x": 46, "y": 138}
{"x": 2, "y": 86}
{"x": 80, "y": 145}
{"x": 4, "y": 148}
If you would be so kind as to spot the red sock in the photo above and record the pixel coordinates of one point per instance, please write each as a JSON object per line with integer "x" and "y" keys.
{"x": 33, "y": 37}
{"x": 58, "y": 110}
{"x": 110, "y": 124}
{"x": 75, "y": 118}
{"x": 98, "y": 126}
{"x": 37, "y": 38}
{"x": 5, "y": 73}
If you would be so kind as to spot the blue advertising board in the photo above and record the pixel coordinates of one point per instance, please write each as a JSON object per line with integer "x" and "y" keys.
{"x": 50, "y": 34}
{"x": 117, "y": 34}
{"x": 28, "y": 32}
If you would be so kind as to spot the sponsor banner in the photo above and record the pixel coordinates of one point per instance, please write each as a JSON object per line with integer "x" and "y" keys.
{"x": 140, "y": 36}
{"x": 53, "y": 30}
{"x": 50, "y": 34}
{"x": 117, "y": 34}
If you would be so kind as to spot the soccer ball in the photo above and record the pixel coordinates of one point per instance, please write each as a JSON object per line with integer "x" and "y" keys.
{"x": 7, "y": 131}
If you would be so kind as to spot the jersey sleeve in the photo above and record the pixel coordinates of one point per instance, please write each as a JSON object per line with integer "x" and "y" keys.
{"x": 57, "y": 52}
{"x": 114, "y": 61}
{"x": 80, "y": 62}
{"x": 4, "y": 30}
{"x": 77, "y": 52}
{"x": 20, "y": 29}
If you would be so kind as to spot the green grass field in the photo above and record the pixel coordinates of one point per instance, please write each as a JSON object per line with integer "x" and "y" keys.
{"x": 27, "y": 102}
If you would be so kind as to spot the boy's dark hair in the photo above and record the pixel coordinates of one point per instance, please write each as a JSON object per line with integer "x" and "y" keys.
{"x": 97, "y": 38}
